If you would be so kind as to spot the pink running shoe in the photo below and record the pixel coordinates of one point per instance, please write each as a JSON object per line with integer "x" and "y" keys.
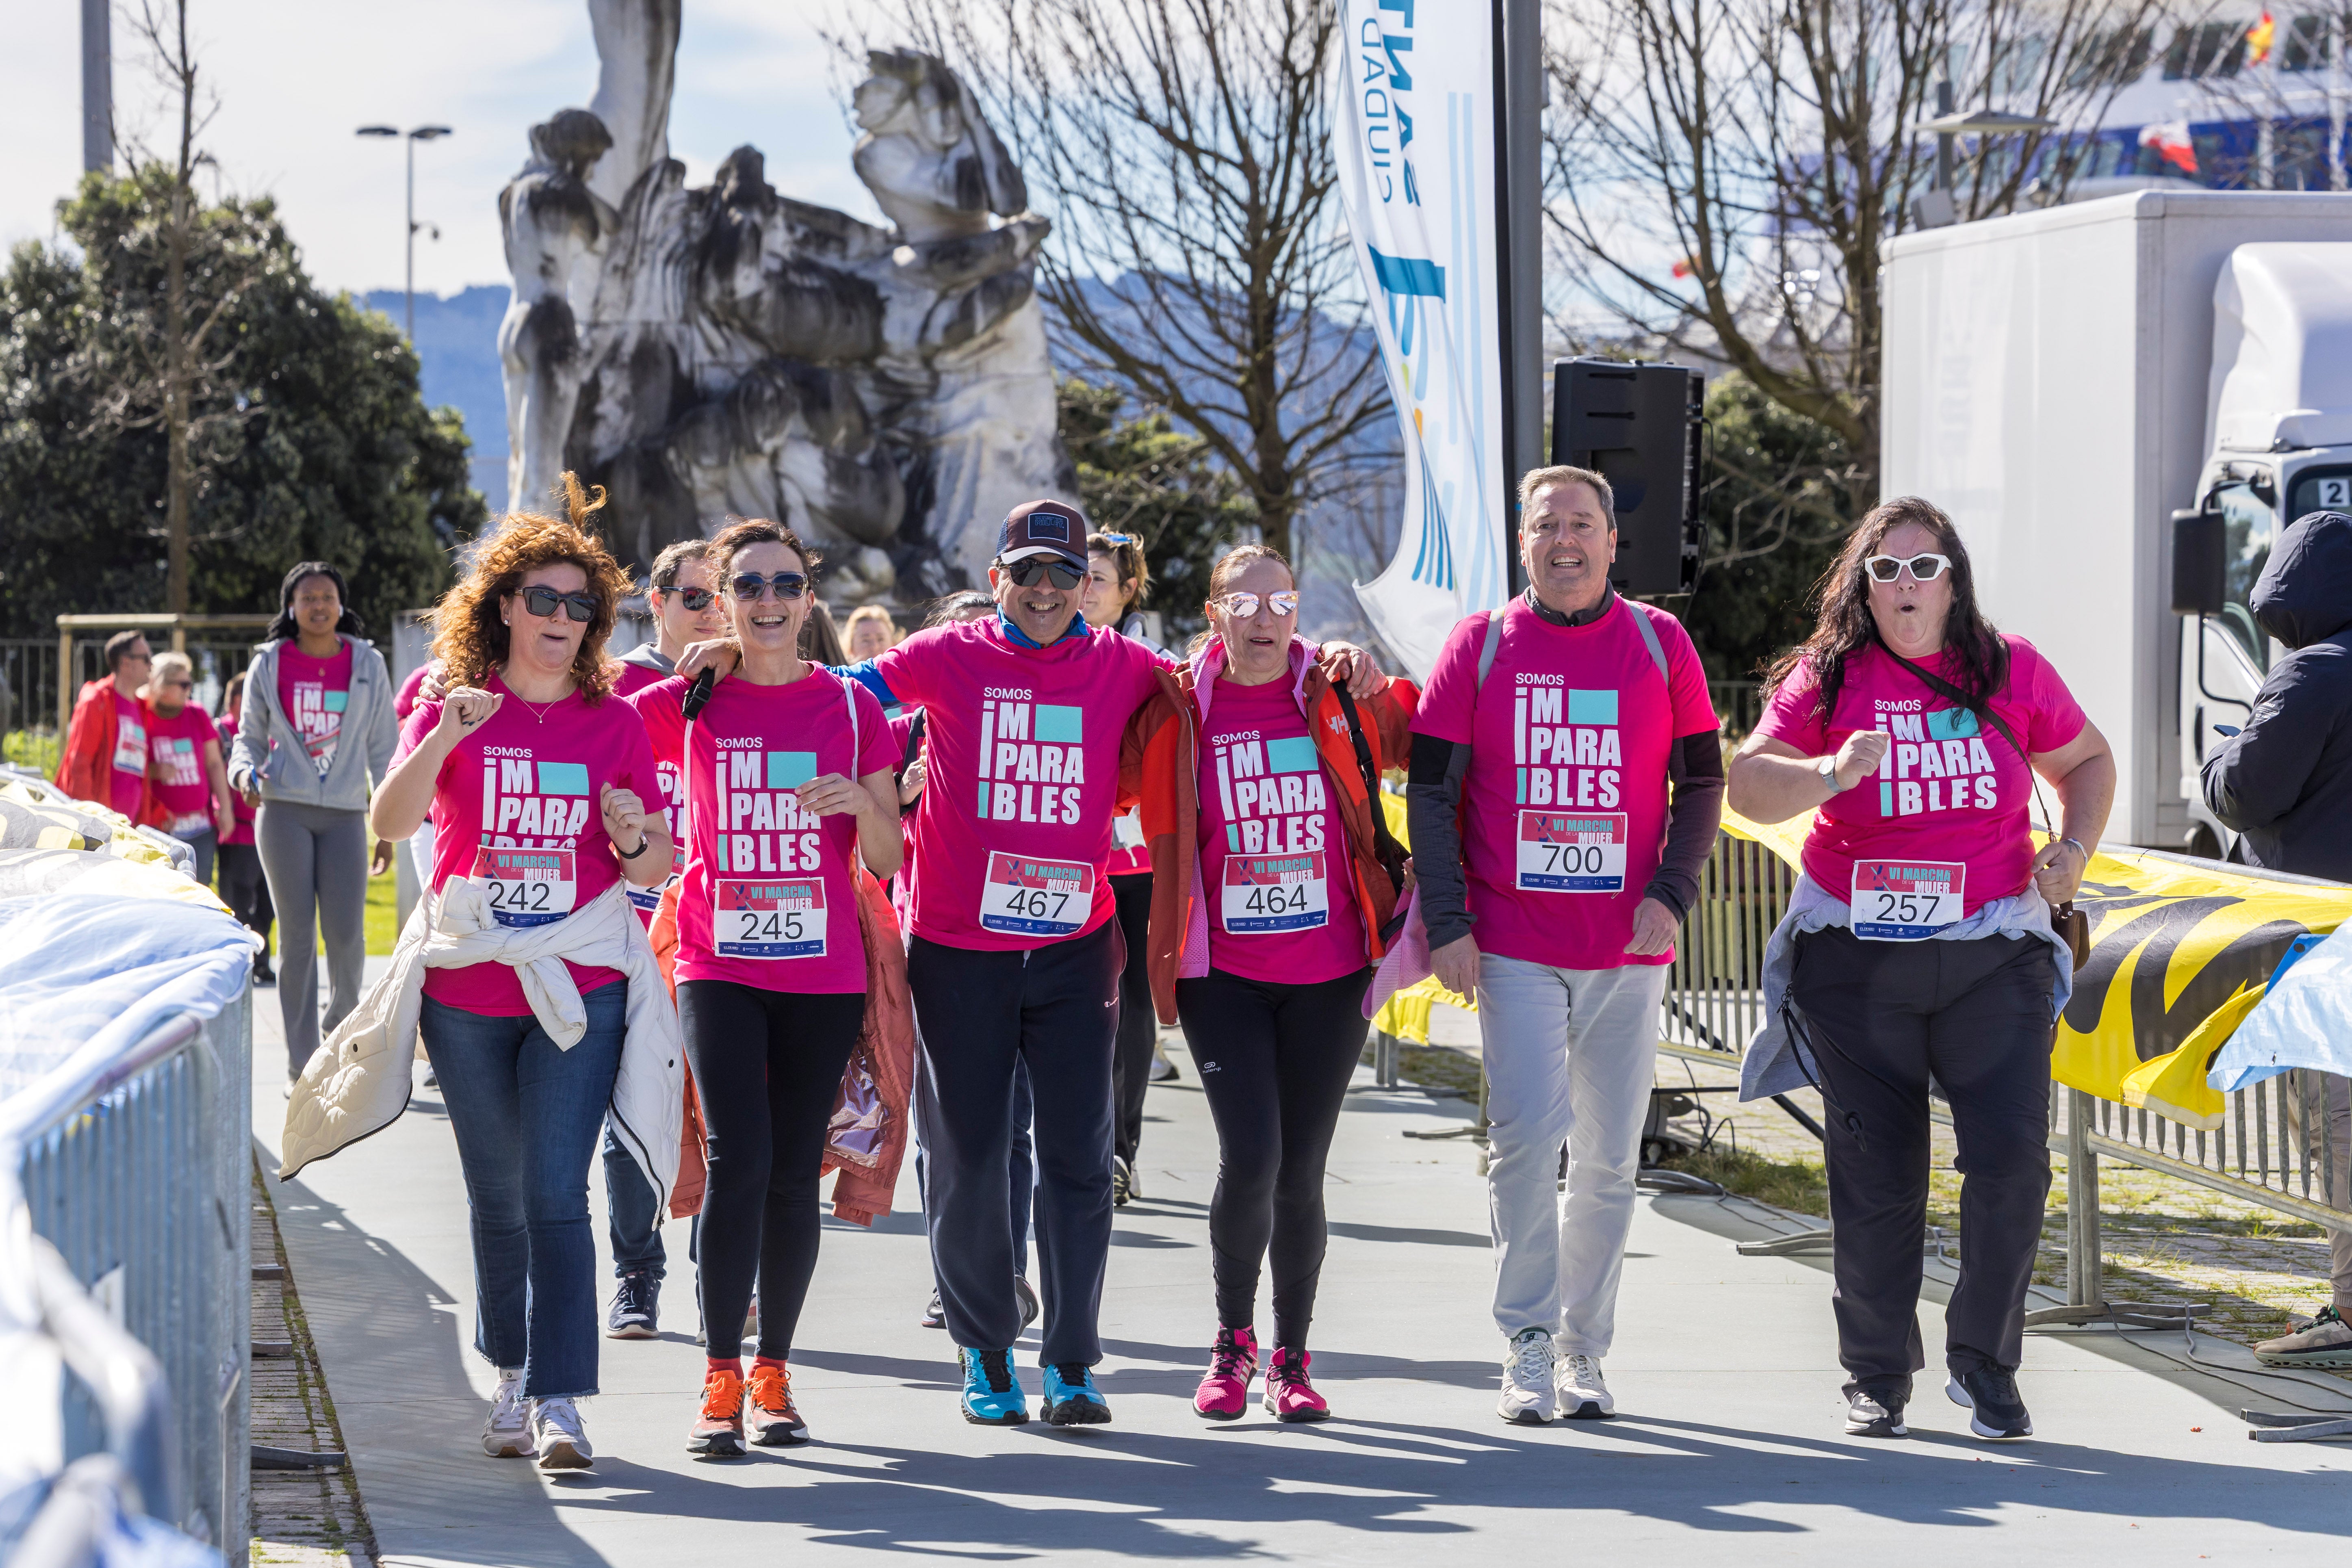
{"x": 1288, "y": 1395}
{"x": 1232, "y": 1362}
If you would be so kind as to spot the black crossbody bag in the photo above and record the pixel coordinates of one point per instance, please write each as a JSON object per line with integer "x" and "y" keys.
{"x": 1385, "y": 848}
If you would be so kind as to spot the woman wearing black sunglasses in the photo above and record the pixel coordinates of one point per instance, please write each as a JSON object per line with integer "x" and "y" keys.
{"x": 1919, "y": 943}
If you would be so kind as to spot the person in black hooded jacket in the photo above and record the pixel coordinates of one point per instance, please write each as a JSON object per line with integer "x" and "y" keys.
{"x": 2285, "y": 783}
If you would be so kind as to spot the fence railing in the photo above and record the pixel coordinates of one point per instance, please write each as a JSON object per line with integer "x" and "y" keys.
{"x": 138, "y": 1172}
{"x": 1738, "y": 704}
{"x": 29, "y": 686}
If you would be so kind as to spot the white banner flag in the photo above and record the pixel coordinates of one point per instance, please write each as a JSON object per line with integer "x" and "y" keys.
{"x": 1414, "y": 135}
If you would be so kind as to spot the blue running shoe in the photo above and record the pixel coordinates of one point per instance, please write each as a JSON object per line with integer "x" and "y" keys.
{"x": 1071, "y": 1397}
{"x": 992, "y": 1394}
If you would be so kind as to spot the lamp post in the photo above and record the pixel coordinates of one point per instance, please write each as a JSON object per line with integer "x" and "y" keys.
{"x": 420, "y": 133}
{"x": 1937, "y": 208}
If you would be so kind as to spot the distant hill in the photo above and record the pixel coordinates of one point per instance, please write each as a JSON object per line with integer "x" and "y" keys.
{"x": 457, "y": 347}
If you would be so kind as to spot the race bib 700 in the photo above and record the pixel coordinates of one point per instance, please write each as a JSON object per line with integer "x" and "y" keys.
{"x": 1571, "y": 852}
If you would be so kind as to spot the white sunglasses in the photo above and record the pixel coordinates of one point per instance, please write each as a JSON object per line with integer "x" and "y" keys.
{"x": 1242, "y": 606}
{"x": 1923, "y": 568}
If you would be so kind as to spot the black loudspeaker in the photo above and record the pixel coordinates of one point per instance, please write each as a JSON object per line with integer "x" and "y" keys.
{"x": 2200, "y": 563}
{"x": 1638, "y": 424}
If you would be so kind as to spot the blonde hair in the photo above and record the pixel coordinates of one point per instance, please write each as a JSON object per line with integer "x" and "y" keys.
{"x": 869, "y": 613}
{"x": 169, "y": 664}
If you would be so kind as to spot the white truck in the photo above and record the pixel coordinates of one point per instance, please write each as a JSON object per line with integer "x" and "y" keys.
{"x": 2063, "y": 382}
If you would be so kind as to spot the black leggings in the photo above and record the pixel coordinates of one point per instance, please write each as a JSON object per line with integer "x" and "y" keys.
{"x": 767, "y": 1067}
{"x": 245, "y": 890}
{"x": 1130, "y": 1062}
{"x": 1274, "y": 1062}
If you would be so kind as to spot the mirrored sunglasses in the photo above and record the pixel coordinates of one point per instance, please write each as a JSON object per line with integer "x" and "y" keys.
{"x": 1242, "y": 606}
{"x": 696, "y": 600}
{"x": 1061, "y": 573}
{"x": 751, "y": 587}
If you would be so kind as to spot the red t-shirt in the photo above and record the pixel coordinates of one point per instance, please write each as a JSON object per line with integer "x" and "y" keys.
{"x": 127, "y": 779}
{"x": 515, "y": 804}
{"x": 313, "y": 693}
{"x": 1947, "y": 794}
{"x": 1274, "y": 868}
{"x": 767, "y": 899}
{"x": 1022, "y": 772}
{"x": 1565, "y": 804}
{"x": 242, "y": 832}
{"x": 177, "y": 745}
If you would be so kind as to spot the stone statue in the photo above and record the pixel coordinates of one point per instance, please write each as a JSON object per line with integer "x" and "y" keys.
{"x": 726, "y": 349}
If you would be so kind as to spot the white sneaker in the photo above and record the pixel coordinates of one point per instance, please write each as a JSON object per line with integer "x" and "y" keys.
{"x": 561, "y": 1440}
{"x": 1528, "y": 1397}
{"x": 507, "y": 1434}
{"x": 1583, "y": 1394}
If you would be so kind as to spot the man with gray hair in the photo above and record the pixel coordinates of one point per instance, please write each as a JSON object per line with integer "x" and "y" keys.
{"x": 1546, "y": 744}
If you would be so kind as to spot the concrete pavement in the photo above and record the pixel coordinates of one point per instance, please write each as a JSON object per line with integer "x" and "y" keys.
{"x": 1725, "y": 1367}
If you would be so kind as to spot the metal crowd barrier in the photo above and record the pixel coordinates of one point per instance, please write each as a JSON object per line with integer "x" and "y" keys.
{"x": 2272, "y": 1148}
{"x": 139, "y": 1175}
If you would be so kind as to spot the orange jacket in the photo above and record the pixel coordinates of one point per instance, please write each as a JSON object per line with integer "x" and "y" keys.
{"x": 1160, "y": 765}
{"x": 86, "y": 765}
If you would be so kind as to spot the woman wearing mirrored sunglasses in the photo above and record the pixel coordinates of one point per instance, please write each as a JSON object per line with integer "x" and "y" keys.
{"x": 1919, "y": 944}
{"x": 1265, "y": 927}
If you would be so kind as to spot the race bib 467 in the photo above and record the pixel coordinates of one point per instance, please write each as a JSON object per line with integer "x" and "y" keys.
{"x": 1031, "y": 897}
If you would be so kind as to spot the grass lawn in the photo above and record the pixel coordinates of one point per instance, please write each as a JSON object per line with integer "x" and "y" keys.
{"x": 382, "y": 916}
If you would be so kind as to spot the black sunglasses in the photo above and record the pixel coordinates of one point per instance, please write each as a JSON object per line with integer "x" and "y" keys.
{"x": 751, "y": 587}
{"x": 541, "y": 602}
{"x": 1061, "y": 573}
{"x": 696, "y": 600}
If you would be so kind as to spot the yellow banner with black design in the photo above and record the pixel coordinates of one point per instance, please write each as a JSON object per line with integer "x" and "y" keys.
{"x": 2180, "y": 951}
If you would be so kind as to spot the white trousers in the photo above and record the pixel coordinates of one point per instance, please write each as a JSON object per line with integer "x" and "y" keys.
{"x": 1570, "y": 1056}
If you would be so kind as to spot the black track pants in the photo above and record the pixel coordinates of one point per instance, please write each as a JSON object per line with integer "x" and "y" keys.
{"x": 1274, "y": 1062}
{"x": 1882, "y": 1016}
{"x": 1130, "y": 1071}
{"x": 767, "y": 1067}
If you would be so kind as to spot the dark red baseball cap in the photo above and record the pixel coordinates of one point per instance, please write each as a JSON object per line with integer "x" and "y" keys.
{"x": 1044, "y": 528}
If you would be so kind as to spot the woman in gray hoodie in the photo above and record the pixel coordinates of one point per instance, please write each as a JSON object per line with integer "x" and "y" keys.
{"x": 315, "y": 738}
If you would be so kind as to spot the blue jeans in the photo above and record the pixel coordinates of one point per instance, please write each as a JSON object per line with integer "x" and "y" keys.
{"x": 632, "y": 1216}
{"x": 526, "y": 1114}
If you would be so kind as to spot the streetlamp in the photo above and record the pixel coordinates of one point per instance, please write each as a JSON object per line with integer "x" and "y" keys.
{"x": 1936, "y": 209}
{"x": 421, "y": 133}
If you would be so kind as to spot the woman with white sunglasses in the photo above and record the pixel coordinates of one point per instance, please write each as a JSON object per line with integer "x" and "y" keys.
{"x": 1919, "y": 943}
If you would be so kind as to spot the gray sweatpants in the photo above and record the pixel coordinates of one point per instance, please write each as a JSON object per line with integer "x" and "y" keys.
{"x": 317, "y": 862}
{"x": 2335, "y": 1093}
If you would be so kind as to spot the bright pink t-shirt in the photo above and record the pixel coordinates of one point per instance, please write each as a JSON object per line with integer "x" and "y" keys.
{"x": 177, "y": 745}
{"x": 768, "y": 899}
{"x": 242, "y": 832}
{"x": 127, "y": 779}
{"x": 1274, "y": 869}
{"x": 403, "y": 701}
{"x": 312, "y": 693}
{"x": 515, "y": 804}
{"x": 632, "y": 680}
{"x": 1021, "y": 772}
{"x": 1949, "y": 792}
{"x": 1566, "y": 798}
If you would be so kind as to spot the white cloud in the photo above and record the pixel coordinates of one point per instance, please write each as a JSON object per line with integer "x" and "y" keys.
{"x": 295, "y": 78}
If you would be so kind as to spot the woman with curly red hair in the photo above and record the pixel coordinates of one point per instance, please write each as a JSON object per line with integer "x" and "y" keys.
{"x": 536, "y": 777}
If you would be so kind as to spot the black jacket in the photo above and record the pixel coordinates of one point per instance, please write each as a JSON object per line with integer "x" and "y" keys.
{"x": 2285, "y": 782}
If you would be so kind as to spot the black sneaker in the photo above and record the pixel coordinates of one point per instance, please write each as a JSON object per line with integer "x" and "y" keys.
{"x": 935, "y": 1316}
{"x": 262, "y": 973}
{"x": 1122, "y": 1185}
{"x": 1028, "y": 1301}
{"x": 637, "y": 1307}
{"x": 1990, "y": 1394}
{"x": 1874, "y": 1412}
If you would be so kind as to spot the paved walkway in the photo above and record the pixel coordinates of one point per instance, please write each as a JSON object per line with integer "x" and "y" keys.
{"x": 1724, "y": 1366}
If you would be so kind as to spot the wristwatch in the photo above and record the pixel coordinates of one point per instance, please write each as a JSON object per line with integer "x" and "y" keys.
{"x": 1828, "y": 770}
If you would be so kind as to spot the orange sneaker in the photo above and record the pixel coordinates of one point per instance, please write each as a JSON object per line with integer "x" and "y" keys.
{"x": 775, "y": 1422}
{"x": 718, "y": 1432}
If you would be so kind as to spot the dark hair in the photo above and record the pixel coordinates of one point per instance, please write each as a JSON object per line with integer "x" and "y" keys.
{"x": 952, "y": 608}
{"x": 230, "y": 708}
{"x": 743, "y": 531}
{"x": 1228, "y": 567}
{"x": 820, "y": 639}
{"x": 283, "y": 628}
{"x": 1845, "y": 626}
{"x": 1535, "y": 480}
{"x": 1125, "y": 552}
{"x": 118, "y": 648}
{"x": 665, "y": 564}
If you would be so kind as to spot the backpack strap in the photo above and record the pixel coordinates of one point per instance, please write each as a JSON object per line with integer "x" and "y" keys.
{"x": 1650, "y": 640}
{"x": 1494, "y": 641}
{"x": 1391, "y": 854}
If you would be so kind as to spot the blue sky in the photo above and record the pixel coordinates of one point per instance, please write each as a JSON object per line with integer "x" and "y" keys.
{"x": 295, "y": 78}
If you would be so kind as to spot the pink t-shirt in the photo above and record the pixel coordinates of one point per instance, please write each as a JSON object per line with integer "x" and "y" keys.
{"x": 242, "y": 832}
{"x": 127, "y": 779}
{"x": 312, "y": 693}
{"x": 1274, "y": 869}
{"x": 403, "y": 701}
{"x": 515, "y": 805}
{"x": 632, "y": 680}
{"x": 1948, "y": 793}
{"x": 177, "y": 745}
{"x": 1022, "y": 772}
{"x": 767, "y": 899}
{"x": 1566, "y": 799}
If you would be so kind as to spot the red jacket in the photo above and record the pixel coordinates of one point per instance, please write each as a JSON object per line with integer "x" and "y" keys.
{"x": 1161, "y": 765}
{"x": 86, "y": 766}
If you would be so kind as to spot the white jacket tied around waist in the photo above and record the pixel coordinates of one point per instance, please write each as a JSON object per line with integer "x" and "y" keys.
{"x": 358, "y": 1083}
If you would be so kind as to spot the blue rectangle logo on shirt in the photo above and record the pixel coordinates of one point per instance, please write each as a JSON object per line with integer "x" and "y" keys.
{"x": 1952, "y": 724}
{"x": 1591, "y": 707}
{"x": 1059, "y": 723}
{"x": 790, "y": 770}
{"x": 337, "y": 701}
{"x": 1295, "y": 755}
{"x": 563, "y": 778}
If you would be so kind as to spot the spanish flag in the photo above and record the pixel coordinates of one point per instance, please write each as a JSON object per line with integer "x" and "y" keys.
{"x": 2258, "y": 40}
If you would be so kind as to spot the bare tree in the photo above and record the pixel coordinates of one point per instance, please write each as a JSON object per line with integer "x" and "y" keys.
{"x": 163, "y": 371}
{"x": 1184, "y": 148}
{"x": 1723, "y": 175}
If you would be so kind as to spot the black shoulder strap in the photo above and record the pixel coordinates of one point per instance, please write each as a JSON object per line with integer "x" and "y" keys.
{"x": 1384, "y": 843}
{"x": 1984, "y": 714}
{"x": 914, "y": 740}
